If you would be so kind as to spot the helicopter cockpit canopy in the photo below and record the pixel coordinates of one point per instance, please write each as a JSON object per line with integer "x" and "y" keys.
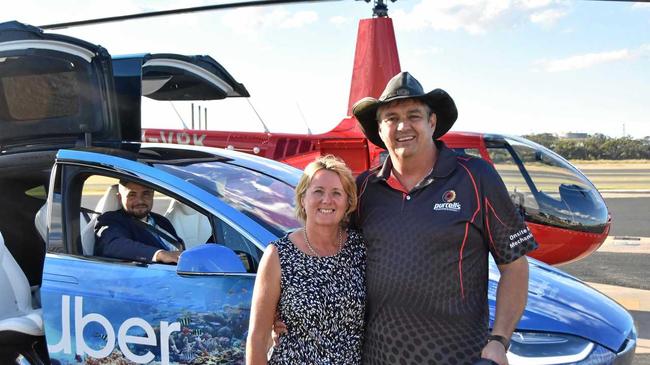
{"x": 547, "y": 189}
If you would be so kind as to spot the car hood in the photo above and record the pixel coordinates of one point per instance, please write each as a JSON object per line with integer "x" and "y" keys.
{"x": 558, "y": 302}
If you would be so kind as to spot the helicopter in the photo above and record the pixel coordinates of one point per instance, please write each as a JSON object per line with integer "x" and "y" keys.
{"x": 563, "y": 209}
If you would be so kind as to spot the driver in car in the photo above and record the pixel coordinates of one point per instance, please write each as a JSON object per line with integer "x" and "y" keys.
{"x": 134, "y": 232}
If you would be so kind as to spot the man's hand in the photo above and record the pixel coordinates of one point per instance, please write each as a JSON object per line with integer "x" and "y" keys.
{"x": 279, "y": 329}
{"x": 166, "y": 257}
{"x": 495, "y": 351}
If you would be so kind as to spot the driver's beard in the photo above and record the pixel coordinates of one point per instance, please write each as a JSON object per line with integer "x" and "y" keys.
{"x": 140, "y": 216}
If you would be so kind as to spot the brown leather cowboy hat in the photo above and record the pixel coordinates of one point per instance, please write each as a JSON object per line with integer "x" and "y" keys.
{"x": 405, "y": 86}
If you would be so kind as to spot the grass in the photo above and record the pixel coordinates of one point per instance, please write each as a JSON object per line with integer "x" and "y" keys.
{"x": 611, "y": 164}
{"x": 606, "y": 174}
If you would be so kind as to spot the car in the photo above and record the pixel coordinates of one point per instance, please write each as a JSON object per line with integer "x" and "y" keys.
{"x": 69, "y": 131}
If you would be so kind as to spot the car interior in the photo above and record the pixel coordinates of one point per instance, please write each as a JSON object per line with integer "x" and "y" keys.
{"x": 99, "y": 195}
{"x": 24, "y": 181}
{"x": 21, "y": 320}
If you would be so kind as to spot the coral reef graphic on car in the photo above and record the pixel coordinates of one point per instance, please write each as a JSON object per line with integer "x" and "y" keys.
{"x": 202, "y": 323}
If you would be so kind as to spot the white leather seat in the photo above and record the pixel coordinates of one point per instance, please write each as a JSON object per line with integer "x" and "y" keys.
{"x": 40, "y": 221}
{"x": 20, "y": 323}
{"x": 193, "y": 227}
{"x": 107, "y": 203}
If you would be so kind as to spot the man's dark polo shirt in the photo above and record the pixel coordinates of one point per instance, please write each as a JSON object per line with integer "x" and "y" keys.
{"x": 427, "y": 268}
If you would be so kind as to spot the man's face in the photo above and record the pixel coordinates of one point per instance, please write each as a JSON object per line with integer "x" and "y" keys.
{"x": 406, "y": 127}
{"x": 136, "y": 199}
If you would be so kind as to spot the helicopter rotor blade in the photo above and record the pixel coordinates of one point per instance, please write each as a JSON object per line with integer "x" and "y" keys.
{"x": 241, "y": 4}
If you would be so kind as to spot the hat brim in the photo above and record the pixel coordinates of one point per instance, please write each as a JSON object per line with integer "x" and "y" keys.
{"x": 365, "y": 110}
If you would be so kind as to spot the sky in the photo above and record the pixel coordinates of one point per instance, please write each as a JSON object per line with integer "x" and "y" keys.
{"x": 512, "y": 66}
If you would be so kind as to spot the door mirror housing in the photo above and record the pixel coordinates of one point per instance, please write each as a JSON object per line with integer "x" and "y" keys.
{"x": 210, "y": 258}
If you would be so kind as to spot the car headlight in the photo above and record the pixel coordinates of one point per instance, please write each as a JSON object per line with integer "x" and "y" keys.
{"x": 533, "y": 348}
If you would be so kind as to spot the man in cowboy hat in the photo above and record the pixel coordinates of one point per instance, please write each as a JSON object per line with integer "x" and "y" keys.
{"x": 430, "y": 217}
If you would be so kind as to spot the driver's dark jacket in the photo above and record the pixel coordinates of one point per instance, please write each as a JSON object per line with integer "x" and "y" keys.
{"x": 120, "y": 235}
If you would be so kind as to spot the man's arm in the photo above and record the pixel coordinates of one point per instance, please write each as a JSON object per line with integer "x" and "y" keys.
{"x": 114, "y": 239}
{"x": 512, "y": 294}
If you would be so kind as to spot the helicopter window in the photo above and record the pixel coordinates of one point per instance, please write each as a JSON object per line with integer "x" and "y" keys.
{"x": 547, "y": 189}
{"x": 474, "y": 152}
{"x": 519, "y": 190}
{"x": 548, "y": 172}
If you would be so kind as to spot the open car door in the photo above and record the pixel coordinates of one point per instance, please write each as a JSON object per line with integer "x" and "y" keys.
{"x": 55, "y": 91}
{"x": 167, "y": 76}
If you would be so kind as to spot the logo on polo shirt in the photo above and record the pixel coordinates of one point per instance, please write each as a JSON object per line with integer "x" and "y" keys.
{"x": 448, "y": 202}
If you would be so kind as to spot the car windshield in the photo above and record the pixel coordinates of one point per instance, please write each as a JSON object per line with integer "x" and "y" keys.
{"x": 267, "y": 200}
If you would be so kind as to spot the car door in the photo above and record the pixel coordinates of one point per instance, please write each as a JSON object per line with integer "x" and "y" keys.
{"x": 98, "y": 307}
{"x": 56, "y": 91}
{"x": 168, "y": 77}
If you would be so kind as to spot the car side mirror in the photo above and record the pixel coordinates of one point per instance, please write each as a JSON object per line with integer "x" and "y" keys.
{"x": 209, "y": 258}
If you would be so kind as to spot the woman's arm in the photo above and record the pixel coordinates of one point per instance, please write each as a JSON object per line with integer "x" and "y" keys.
{"x": 263, "y": 308}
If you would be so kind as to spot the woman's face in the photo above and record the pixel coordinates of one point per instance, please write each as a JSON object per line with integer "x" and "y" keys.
{"x": 325, "y": 200}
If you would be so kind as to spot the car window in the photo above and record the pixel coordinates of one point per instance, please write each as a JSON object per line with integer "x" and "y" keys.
{"x": 247, "y": 251}
{"x": 99, "y": 195}
{"x": 266, "y": 200}
{"x": 52, "y": 93}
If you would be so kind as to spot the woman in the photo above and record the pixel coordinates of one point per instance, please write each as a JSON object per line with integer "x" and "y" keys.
{"x": 314, "y": 277}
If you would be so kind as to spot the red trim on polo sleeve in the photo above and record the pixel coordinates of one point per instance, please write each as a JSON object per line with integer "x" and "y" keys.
{"x": 462, "y": 246}
{"x": 488, "y": 207}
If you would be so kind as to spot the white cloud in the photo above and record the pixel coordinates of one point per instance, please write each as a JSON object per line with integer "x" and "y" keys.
{"x": 587, "y": 60}
{"x": 640, "y": 5}
{"x": 534, "y": 4}
{"x": 584, "y": 61}
{"x": 339, "y": 20}
{"x": 478, "y": 16}
{"x": 253, "y": 21}
{"x": 299, "y": 19}
{"x": 547, "y": 17}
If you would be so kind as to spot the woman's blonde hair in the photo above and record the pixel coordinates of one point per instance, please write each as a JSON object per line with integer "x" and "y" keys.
{"x": 334, "y": 164}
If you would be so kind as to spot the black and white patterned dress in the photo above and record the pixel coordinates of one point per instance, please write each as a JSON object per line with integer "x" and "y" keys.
{"x": 322, "y": 303}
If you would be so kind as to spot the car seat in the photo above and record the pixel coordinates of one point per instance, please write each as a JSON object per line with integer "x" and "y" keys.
{"x": 40, "y": 222}
{"x": 193, "y": 227}
{"x": 21, "y": 326}
{"x": 107, "y": 203}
